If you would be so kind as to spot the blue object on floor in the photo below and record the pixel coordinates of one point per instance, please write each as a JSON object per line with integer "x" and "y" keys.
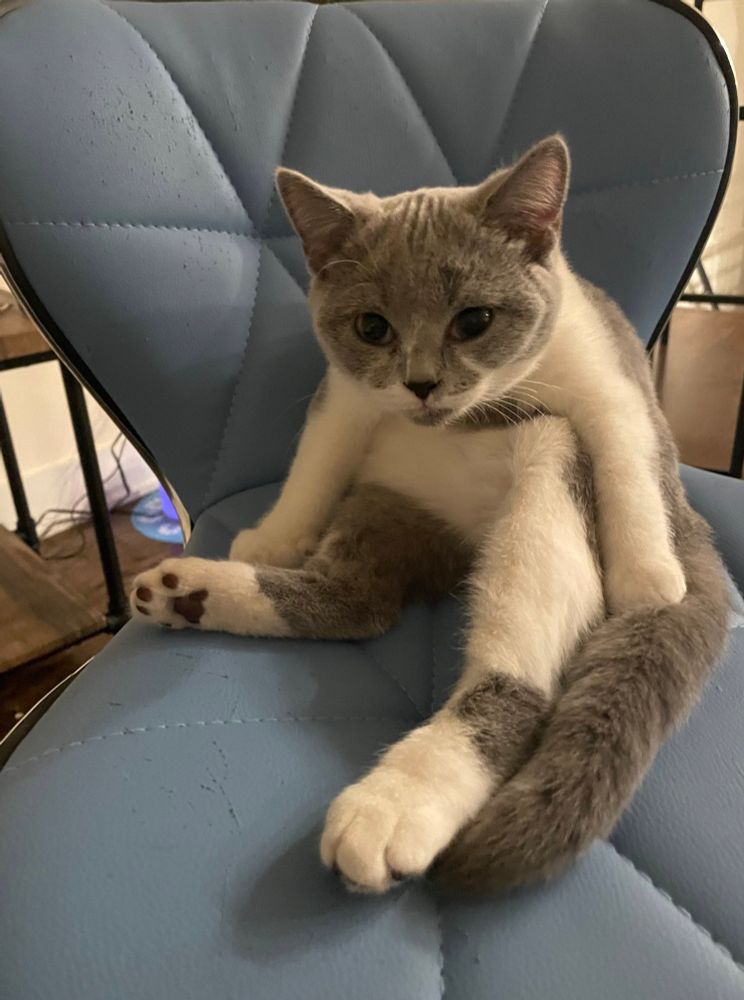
{"x": 152, "y": 519}
{"x": 160, "y": 822}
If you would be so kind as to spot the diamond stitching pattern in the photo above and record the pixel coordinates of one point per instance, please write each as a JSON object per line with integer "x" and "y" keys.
{"x": 257, "y": 233}
{"x": 303, "y": 57}
{"x": 198, "y": 124}
{"x": 515, "y": 95}
{"x": 407, "y": 85}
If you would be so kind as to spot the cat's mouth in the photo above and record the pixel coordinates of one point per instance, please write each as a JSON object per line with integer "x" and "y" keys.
{"x": 430, "y": 416}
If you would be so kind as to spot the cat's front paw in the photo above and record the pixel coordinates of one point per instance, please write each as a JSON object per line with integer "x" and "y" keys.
{"x": 385, "y": 828}
{"x": 644, "y": 585}
{"x": 264, "y": 547}
{"x": 175, "y": 593}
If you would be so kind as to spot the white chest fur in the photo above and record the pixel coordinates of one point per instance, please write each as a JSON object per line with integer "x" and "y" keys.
{"x": 460, "y": 475}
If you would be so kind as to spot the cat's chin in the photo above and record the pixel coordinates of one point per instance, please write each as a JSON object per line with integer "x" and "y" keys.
{"x": 430, "y": 417}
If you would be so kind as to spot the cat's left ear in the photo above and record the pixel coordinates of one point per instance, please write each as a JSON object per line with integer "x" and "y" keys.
{"x": 527, "y": 200}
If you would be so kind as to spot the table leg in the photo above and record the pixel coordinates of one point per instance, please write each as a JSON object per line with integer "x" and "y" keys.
{"x": 25, "y": 529}
{"x": 118, "y": 606}
{"x": 737, "y": 450}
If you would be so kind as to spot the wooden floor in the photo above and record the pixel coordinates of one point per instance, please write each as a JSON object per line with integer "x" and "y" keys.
{"x": 699, "y": 382}
{"x": 21, "y": 688}
{"x": 39, "y": 614}
{"x": 17, "y": 335}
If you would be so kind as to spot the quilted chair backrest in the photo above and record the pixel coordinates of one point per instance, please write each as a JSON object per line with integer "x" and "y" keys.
{"x": 138, "y": 143}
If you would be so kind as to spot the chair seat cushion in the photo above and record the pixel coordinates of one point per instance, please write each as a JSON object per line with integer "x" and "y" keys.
{"x": 161, "y": 825}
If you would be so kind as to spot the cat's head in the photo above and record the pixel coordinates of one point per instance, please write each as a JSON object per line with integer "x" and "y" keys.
{"x": 441, "y": 299}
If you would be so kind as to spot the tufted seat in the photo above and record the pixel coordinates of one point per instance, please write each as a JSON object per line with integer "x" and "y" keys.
{"x": 160, "y": 822}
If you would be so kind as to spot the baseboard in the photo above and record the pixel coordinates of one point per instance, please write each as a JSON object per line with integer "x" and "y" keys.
{"x": 60, "y": 484}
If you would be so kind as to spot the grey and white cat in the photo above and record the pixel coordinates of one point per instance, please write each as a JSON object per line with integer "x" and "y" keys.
{"x": 484, "y": 411}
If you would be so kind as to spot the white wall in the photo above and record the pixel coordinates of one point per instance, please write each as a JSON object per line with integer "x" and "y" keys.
{"x": 40, "y": 424}
{"x": 724, "y": 254}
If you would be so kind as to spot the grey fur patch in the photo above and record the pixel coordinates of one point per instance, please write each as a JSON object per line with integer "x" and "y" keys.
{"x": 632, "y": 681}
{"x": 382, "y": 551}
{"x": 505, "y": 719}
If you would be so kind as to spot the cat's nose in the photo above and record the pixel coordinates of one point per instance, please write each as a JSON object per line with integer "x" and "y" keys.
{"x": 421, "y": 389}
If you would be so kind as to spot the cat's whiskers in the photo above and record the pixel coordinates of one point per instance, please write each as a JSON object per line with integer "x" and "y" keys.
{"x": 503, "y": 414}
{"x": 304, "y": 399}
{"x": 476, "y": 410}
{"x": 525, "y": 391}
{"x": 514, "y": 407}
{"x": 547, "y": 385}
{"x": 533, "y": 402}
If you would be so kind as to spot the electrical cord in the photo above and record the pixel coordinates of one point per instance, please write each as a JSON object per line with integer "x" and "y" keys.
{"x": 75, "y": 517}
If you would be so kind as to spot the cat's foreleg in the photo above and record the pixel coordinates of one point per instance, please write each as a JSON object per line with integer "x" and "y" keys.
{"x": 329, "y": 452}
{"x": 614, "y": 421}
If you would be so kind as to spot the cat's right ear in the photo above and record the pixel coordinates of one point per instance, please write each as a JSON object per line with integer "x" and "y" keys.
{"x": 526, "y": 201}
{"x": 319, "y": 216}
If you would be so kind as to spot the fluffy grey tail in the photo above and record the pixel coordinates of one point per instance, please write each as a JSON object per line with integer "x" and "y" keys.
{"x": 635, "y": 678}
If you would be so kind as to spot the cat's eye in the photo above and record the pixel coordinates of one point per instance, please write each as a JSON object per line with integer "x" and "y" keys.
{"x": 373, "y": 329}
{"x": 471, "y": 323}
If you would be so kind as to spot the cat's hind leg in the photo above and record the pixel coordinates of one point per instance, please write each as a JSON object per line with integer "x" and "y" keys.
{"x": 380, "y": 552}
{"x": 535, "y": 591}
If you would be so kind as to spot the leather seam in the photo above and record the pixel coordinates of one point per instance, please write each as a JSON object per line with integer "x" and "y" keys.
{"x": 290, "y": 118}
{"x": 518, "y": 84}
{"x": 680, "y": 909}
{"x": 168, "y": 229}
{"x": 386, "y": 673}
{"x": 73, "y": 224}
{"x": 200, "y": 724}
{"x": 191, "y": 111}
{"x": 283, "y": 266}
{"x": 236, "y": 387}
{"x": 85, "y": 224}
{"x": 407, "y": 85}
{"x": 646, "y": 183}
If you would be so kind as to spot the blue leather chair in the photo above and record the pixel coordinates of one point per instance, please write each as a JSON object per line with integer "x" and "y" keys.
{"x": 159, "y": 823}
